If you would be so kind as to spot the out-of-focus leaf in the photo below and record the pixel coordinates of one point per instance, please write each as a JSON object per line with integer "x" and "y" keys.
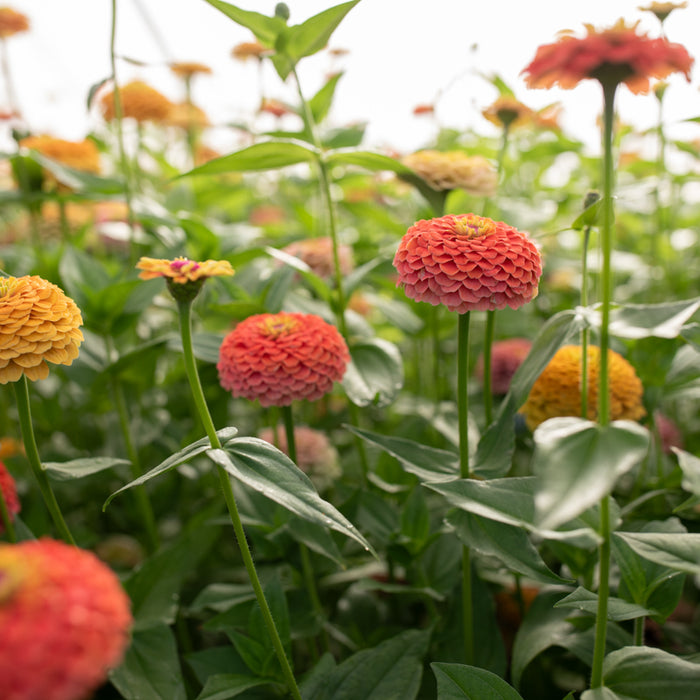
{"x": 223, "y": 686}
{"x": 588, "y": 217}
{"x": 374, "y": 375}
{"x": 677, "y": 551}
{"x": 321, "y": 102}
{"x": 78, "y": 468}
{"x": 265, "y": 28}
{"x": 587, "y": 601}
{"x": 80, "y": 180}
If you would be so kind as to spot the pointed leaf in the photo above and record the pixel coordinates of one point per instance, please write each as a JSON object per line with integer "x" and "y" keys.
{"x": 677, "y": 551}
{"x": 78, "y": 468}
{"x": 321, "y": 102}
{"x": 587, "y": 601}
{"x": 458, "y": 682}
{"x": 265, "y": 28}
{"x": 79, "y": 180}
{"x": 223, "y": 686}
{"x": 589, "y": 216}
{"x": 690, "y": 466}
{"x": 374, "y": 375}
{"x": 578, "y": 462}
{"x": 368, "y": 160}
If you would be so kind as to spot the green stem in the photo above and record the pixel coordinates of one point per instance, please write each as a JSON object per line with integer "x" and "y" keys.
{"x": 65, "y": 226}
{"x": 638, "y": 633}
{"x": 584, "y": 332}
{"x": 6, "y": 519}
{"x": 25, "y": 422}
{"x": 601, "y": 623}
{"x": 488, "y": 344}
{"x": 184, "y": 309}
{"x": 434, "y": 320}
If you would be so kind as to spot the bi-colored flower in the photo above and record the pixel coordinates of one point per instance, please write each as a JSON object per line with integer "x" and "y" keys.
{"x": 80, "y": 155}
{"x": 12, "y": 22}
{"x": 317, "y": 253}
{"x": 447, "y": 170}
{"x": 506, "y": 356}
{"x": 65, "y": 621}
{"x": 618, "y": 54}
{"x": 9, "y": 494}
{"x": 507, "y": 111}
{"x": 38, "y": 324}
{"x": 315, "y": 454}
{"x": 663, "y": 9}
{"x": 468, "y": 262}
{"x": 274, "y": 107}
{"x": 183, "y": 270}
{"x": 279, "y": 358}
{"x": 139, "y": 101}
{"x": 557, "y": 391}
{"x": 186, "y": 69}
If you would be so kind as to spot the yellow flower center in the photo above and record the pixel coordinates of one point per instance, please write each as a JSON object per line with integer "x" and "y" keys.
{"x": 7, "y": 285}
{"x": 276, "y": 326}
{"x": 473, "y": 226}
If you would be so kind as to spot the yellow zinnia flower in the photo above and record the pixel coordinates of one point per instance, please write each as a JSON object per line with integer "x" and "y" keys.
{"x": 447, "y": 170}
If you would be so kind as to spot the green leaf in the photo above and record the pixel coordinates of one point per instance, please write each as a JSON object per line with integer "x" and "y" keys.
{"x": 316, "y": 538}
{"x": 368, "y": 160}
{"x": 374, "y": 375}
{"x": 79, "y": 180}
{"x": 601, "y": 694}
{"x": 690, "y": 466}
{"x": 205, "y": 346}
{"x": 507, "y": 543}
{"x": 390, "y": 671}
{"x": 265, "y": 28}
{"x": 151, "y": 667}
{"x": 647, "y": 673}
{"x": 229, "y": 685}
{"x": 320, "y": 103}
{"x": 677, "y": 551}
{"x": 618, "y": 609}
{"x": 180, "y": 457}
{"x": 78, "y": 468}
{"x": 427, "y": 463}
{"x": 457, "y": 682}
{"x": 268, "y": 155}
{"x": 263, "y": 467}
{"x": 588, "y": 217}
{"x": 578, "y": 462}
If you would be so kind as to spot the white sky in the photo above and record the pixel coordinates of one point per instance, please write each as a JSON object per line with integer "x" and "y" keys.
{"x": 402, "y": 53}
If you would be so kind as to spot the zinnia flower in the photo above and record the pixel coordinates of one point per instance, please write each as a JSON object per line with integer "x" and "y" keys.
{"x": 12, "y": 22}
{"x": 557, "y": 391}
{"x": 185, "y": 115}
{"x": 278, "y": 358}
{"x": 507, "y": 111}
{"x": 138, "y": 101}
{"x": 186, "y": 69}
{"x": 468, "y": 262}
{"x": 447, "y": 170}
{"x": 38, "y": 323}
{"x": 274, "y": 107}
{"x": 663, "y": 9}
{"x": 506, "y": 357}
{"x": 317, "y": 253}
{"x": 669, "y": 433}
{"x": 249, "y": 49}
{"x": 614, "y": 55}
{"x": 315, "y": 454}
{"x": 65, "y": 621}
{"x": 9, "y": 494}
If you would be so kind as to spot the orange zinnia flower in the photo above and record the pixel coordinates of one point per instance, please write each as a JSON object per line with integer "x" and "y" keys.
{"x": 185, "y": 115}
{"x": 249, "y": 49}
{"x": 12, "y": 22}
{"x": 611, "y": 56}
{"x": 507, "y": 111}
{"x": 468, "y": 262}
{"x": 274, "y": 107}
{"x": 138, "y": 101}
{"x": 9, "y": 494}
{"x": 186, "y": 69}
{"x": 278, "y": 358}
{"x": 80, "y": 155}
{"x": 447, "y": 170}
{"x": 38, "y": 323}
{"x": 65, "y": 621}
{"x": 506, "y": 357}
{"x": 317, "y": 253}
{"x": 557, "y": 391}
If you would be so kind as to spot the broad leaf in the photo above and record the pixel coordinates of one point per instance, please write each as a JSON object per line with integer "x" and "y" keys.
{"x": 78, "y": 468}
{"x": 265, "y": 28}
{"x": 677, "y": 551}
{"x": 223, "y": 686}
{"x": 587, "y": 601}
{"x": 458, "y": 682}
{"x": 374, "y": 375}
{"x": 690, "y": 466}
{"x": 79, "y": 180}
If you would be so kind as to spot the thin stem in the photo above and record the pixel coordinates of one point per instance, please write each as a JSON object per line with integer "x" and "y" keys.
{"x": 184, "y": 309}
{"x": 6, "y": 519}
{"x": 488, "y": 344}
{"x": 25, "y": 422}
{"x": 601, "y": 623}
{"x": 7, "y": 76}
{"x": 584, "y": 332}
{"x": 638, "y": 632}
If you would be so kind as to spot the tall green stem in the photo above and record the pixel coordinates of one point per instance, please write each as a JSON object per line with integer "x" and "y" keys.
{"x": 584, "y": 332}
{"x": 488, "y": 344}
{"x": 184, "y": 309}
{"x": 603, "y": 381}
{"x": 25, "y": 422}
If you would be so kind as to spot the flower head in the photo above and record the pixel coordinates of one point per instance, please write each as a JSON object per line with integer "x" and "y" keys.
{"x": 315, "y": 454}
{"x": 557, "y": 391}
{"x": 249, "y": 49}
{"x": 468, "y": 262}
{"x": 186, "y": 69}
{"x": 138, "y": 101}
{"x": 663, "y": 9}
{"x": 278, "y": 358}
{"x": 506, "y": 357}
{"x": 317, "y": 253}
{"x": 507, "y": 111}
{"x": 80, "y": 155}
{"x": 447, "y": 170}
{"x": 12, "y": 22}
{"x": 65, "y": 621}
{"x": 185, "y": 115}
{"x": 38, "y": 323}
{"x": 9, "y": 494}
{"x": 274, "y": 107}
{"x": 669, "y": 433}
{"x": 614, "y": 55}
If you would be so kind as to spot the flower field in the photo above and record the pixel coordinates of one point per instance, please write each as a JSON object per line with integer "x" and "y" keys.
{"x": 307, "y": 419}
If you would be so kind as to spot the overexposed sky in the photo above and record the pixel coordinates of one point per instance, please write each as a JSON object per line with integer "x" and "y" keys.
{"x": 401, "y": 53}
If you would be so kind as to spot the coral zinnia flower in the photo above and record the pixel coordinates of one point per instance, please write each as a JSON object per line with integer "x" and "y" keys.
{"x": 80, "y": 155}
{"x": 506, "y": 357}
{"x": 278, "y": 358}
{"x": 65, "y": 621}
{"x": 315, "y": 455}
{"x": 12, "y": 22}
{"x": 447, "y": 170}
{"x": 9, "y": 494}
{"x": 614, "y": 55}
{"x": 507, "y": 111}
{"x": 138, "y": 101}
{"x": 317, "y": 253}
{"x": 468, "y": 262}
{"x": 38, "y": 323}
{"x": 557, "y": 391}
{"x": 186, "y": 69}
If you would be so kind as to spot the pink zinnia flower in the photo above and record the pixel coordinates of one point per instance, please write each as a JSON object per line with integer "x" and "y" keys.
{"x": 506, "y": 357}
{"x": 9, "y": 493}
{"x": 468, "y": 262}
{"x": 317, "y": 253}
{"x": 65, "y": 621}
{"x": 277, "y": 358}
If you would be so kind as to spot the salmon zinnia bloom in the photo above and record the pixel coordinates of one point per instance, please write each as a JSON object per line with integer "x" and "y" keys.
{"x": 279, "y": 358}
{"x": 138, "y": 101}
{"x": 506, "y": 356}
{"x": 447, "y": 170}
{"x": 317, "y": 253}
{"x": 468, "y": 262}
{"x": 507, "y": 111}
{"x": 65, "y": 621}
{"x": 12, "y": 22}
{"x": 557, "y": 391}
{"x": 614, "y": 55}
{"x": 9, "y": 494}
{"x": 38, "y": 323}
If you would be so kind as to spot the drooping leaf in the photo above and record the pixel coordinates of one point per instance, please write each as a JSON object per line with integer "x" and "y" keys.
{"x": 458, "y": 682}
{"x": 587, "y": 601}
{"x": 374, "y": 375}
{"x": 677, "y": 551}
{"x": 78, "y": 468}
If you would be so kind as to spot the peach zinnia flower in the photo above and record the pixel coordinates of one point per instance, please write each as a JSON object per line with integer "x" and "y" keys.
{"x": 507, "y": 111}
{"x": 249, "y": 49}
{"x": 9, "y": 494}
{"x": 138, "y": 101}
{"x": 38, "y": 323}
{"x": 317, "y": 253}
{"x": 80, "y": 155}
{"x": 557, "y": 391}
{"x": 468, "y": 262}
{"x": 614, "y": 55}
{"x": 186, "y": 69}
{"x": 447, "y": 170}
{"x": 12, "y": 22}
{"x": 185, "y": 115}
{"x": 506, "y": 356}
{"x": 65, "y": 621}
{"x": 278, "y": 358}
